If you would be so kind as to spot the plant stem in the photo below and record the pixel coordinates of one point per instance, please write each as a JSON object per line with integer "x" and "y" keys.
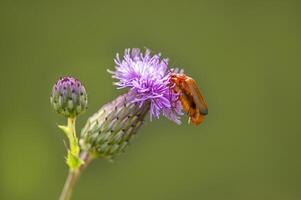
{"x": 74, "y": 148}
{"x": 73, "y": 176}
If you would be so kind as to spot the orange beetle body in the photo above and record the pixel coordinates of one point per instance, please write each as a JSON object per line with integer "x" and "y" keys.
{"x": 191, "y": 99}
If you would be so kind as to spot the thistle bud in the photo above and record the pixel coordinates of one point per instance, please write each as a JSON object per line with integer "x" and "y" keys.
{"x": 69, "y": 97}
{"x": 109, "y": 131}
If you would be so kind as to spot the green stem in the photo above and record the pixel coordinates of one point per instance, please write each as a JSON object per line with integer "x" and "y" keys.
{"x": 73, "y": 160}
{"x": 74, "y": 148}
{"x": 73, "y": 177}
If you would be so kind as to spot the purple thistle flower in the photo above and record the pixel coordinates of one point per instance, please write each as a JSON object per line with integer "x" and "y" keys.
{"x": 148, "y": 78}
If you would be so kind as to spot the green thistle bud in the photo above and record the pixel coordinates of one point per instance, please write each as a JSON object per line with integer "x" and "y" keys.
{"x": 109, "y": 131}
{"x": 69, "y": 97}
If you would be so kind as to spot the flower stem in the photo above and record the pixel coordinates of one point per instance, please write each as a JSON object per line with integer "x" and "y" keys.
{"x": 74, "y": 148}
{"x": 73, "y": 159}
{"x": 73, "y": 177}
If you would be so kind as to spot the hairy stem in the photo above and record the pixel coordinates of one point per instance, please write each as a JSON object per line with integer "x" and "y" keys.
{"x": 73, "y": 177}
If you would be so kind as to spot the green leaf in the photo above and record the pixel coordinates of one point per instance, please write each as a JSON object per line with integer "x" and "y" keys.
{"x": 66, "y": 129}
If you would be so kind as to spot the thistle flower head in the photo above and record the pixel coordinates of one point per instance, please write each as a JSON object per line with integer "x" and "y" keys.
{"x": 148, "y": 78}
{"x": 109, "y": 131}
{"x": 69, "y": 97}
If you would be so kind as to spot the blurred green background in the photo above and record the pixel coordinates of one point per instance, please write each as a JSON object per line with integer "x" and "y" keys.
{"x": 245, "y": 56}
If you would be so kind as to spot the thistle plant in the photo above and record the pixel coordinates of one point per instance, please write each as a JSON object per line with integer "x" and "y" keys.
{"x": 107, "y": 133}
